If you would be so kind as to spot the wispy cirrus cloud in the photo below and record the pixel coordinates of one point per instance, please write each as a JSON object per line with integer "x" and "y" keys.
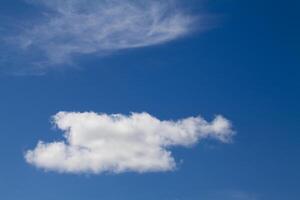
{"x": 97, "y": 143}
{"x": 77, "y": 27}
{"x": 230, "y": 194}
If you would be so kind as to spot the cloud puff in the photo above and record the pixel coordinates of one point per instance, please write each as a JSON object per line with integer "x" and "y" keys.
{"x": 71, "y": 27}
{"x": 97, "y": 143}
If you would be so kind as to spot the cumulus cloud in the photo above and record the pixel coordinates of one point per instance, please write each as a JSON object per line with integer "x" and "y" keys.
{"x": 97, "y": 143}
{"x": 76, "y": 27}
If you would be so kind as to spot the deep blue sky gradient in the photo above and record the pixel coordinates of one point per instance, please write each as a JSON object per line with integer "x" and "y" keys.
{"x": 247, "y": 69}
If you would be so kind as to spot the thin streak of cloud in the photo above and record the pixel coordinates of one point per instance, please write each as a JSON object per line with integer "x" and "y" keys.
{"x": 80, "y": 27}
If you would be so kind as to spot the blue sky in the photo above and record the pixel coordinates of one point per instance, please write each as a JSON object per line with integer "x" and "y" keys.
{"x": 238, "y": 59}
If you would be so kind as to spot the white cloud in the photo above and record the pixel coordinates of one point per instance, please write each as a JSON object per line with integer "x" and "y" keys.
{"x": 97, "y": 143}
{"x": 72, "y": 27}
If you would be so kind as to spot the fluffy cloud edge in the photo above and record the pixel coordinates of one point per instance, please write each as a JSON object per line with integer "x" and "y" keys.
{"x": 98, "y": 143}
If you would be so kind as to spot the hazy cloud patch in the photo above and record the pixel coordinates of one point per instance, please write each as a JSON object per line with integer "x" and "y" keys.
{"x": 66, "y": 28}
